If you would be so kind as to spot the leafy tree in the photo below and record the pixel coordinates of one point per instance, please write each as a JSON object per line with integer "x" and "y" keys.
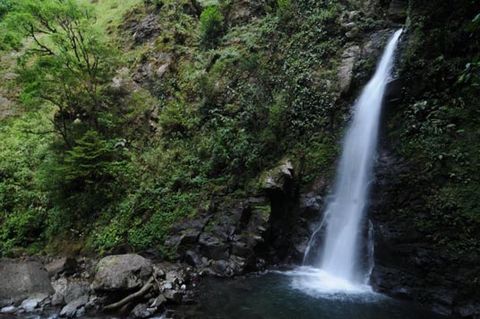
{"x": 86, "y": 177}
{"x": 68, "y": 65}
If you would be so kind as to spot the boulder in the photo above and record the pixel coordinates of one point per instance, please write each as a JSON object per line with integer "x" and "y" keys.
{"x": 141, "y": 311}
{"x": 8, "y": 310}
{"x": 213, "y": 247}
{"x": 33, "y": 302}
{"x": 71, "y": 309}
{"x": 278, "y": 179}
{"x": 122, "y": 272}
{"x": 21, "y": 279}
{"x": 61, "y": 265}
{"x": 67, "y": 290}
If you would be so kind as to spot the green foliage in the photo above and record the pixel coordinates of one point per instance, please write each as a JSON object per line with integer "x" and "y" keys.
{"x": 23, "y": 205}
{"x": 211, "y": 25}
{"x": 87, "y": 177}
{"x": 5, "y": 7}
{"x": 436, "y": 128}
{"x": 284, "y": 7}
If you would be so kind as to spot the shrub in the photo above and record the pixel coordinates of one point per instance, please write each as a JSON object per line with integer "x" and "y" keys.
{"x": 284, "y": 8}
{"x": 87, "y": 177}
{"x": 211, "y": 25}
{"x": 5, "y": 6}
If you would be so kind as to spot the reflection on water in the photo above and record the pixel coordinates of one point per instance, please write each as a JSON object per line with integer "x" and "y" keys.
{"x": 278, "y": 296}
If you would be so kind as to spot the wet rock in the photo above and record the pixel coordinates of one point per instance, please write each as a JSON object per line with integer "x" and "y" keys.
{"x": 311, "y": 205}
{"x": 141, "y": 311}
{"x": 193, "y": 259}
{"x": 21, "y": 279}
{"x": 75, "y": 290}
{"x": 213, "y": 247}
{"x": 71, "y": 309}
{"x": 60, "y": 287}
{"x": 470, "y": 310}
{"x": 158, "y": 302}
{"x": 173, "y": 295}
{"x": 241, "y": 249}
{"x": 122, "y": 272}
{"x": 8, "y": 310}
{"x": 32, "y": 303}
{"x": 68, "y": 290}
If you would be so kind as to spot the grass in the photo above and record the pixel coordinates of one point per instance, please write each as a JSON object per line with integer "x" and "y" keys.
{"x": 111, "y": 12}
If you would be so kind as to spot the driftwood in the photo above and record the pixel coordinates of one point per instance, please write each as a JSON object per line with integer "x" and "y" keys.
{"x": 131, "y": 297}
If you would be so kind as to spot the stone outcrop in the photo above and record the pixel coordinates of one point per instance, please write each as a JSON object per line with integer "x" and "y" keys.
{"x": 22, "y": 279}
{"x": 224, "y": 245}
{"x": 122, "y": 272}
{"x": 345, "y": 73}
{"x": 407, "y": 264}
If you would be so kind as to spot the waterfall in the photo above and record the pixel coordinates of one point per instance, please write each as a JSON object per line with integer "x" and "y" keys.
{"x": 344, "y": 216}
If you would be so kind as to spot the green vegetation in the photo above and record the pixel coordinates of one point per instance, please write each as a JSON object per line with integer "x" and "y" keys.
{"x": 211, "y": 25}
{"x": 118, "y": 139}
{"x": 102, "y": 175}
{"x": 436, "y": 127}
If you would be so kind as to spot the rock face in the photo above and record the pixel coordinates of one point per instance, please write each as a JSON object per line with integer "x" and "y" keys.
{"x": 21, "y": 279}
{"x": 225, "y": 245}
{"x": 407, "y": 264}
{"x": 345, "y": 72}
{"x": 398, "y": 10}
{"x": 122, "y": 272}
{"x": 61, "y": 265}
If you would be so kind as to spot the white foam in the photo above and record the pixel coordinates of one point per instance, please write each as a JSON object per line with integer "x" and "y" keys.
{"x": 318, "y": 283}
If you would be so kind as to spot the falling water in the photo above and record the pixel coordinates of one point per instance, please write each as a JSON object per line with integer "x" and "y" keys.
{"x": 344, "y": 215}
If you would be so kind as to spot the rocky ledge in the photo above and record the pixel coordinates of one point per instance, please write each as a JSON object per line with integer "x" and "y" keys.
{"x": 127, "y": 285}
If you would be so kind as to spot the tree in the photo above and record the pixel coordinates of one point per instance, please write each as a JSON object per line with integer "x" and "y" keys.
{"x": 68, "y": 65}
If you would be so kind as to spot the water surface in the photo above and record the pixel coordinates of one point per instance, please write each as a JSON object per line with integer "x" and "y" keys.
{"x": 275, "y": 296}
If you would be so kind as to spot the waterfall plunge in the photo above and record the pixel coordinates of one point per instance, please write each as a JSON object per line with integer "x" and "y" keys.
{"x": 339, "y": 268}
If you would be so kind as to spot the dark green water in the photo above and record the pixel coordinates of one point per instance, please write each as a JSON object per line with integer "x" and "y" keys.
{"x": 271, "y": 296}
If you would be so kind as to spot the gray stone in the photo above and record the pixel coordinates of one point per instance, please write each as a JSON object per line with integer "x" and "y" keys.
{"x": 145, "y": 29}
{"x": 277, "y": 178}
{"x": 21, "y": 279}
{"x": 172, "y": 295}
{"x": 213, "y": 247}
{"x": 61, "y": 265}
{"x": 70, "y": 310}
{"x": 8, "y": 309}
{"x": 158, "y": 302}
{"x": 122, "y": 272}
{"x": 33, "y": 302}
{"x": 141, "y": 311}
{"x": 60, "y": 287}
{"x": 345, "y": 72}
{"x": 75, "y": 290}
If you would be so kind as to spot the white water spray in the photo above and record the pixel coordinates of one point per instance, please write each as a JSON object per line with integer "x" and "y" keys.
{"x": 344, "y": 215}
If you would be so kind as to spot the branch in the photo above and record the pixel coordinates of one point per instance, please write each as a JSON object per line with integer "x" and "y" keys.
{"x": 37, "y": 133}
{"x": 44, "y": 47}
{"x": 131, "y": 297}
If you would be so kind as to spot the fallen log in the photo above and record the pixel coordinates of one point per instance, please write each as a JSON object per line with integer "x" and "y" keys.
{"x": 131, "y": 297}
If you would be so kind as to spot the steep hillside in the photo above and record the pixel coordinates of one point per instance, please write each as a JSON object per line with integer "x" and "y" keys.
{"x": 139, "y": 126}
